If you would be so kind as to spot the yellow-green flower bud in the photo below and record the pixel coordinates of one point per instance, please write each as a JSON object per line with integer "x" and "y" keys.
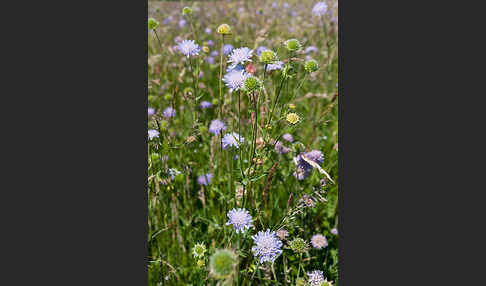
{"x": 186, "y": 11}
{"x": 268, "y": 56}
{"x": 152, "y": 24}
{"x": 293, "y": 45}
{"x": 224, "y": 29}
{"x": 311, "y": 66}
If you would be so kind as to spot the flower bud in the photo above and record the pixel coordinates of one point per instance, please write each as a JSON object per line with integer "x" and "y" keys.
{"x": 224, "y": 29}
{"x": 252, "y": 84}
{"x": 186, "y": 11}
{"x": 293, "y": 45}
{"x": 311, "y": 66}
{"x": 268, "y": 56}
{"x": 152, "y": 24}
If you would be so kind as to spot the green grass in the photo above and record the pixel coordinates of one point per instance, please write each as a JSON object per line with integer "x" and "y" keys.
{"x": 182, "y": 213}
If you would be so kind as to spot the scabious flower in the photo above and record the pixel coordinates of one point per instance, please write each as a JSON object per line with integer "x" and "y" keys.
{"x": 210, "y": 43}
{"x": 240, "y": 219}
{"x": 319, "y": 9}
{"x": 280, "y": 148}
{"x": 251, "y": 84}
{"x": 267, "y": 246}
{"x": 152, "y": 134}
{"x": 282, "y": 233}
{"x": 182, "y": 23}
{"x": 169, "y": 112}
{"x": 288, "y": 137}
{"x": 260, "y": 49}
{"x": 228, "y": 48}
{"x": 304, "y": 168}
{"x": 210, "y": 60}
{"x": 275, "y": 66}
{"x": 235, "y": 79}
{"x": 293, "y": 118}
{"x": 152, "y": 24}
{"x": 232, "y": 139}
{"x": 334, "y": 231}
{"x": 293, "y": 45}
{"x": 268, "y": 56}
{"x": 205, "y": 180}
{"x": 311, "y": 66}
{"x": 214, "y": 53}
{"x": 205, "y": 104}
{"x": 189, "y": 48}
{"x": 311, "y": 49}
{"x": 222, "y": 263}
{"x": 216, "y": 126}
{"x": 316, "y": 278}
{"x": 240, "y": 56}
{"x": 151, "y": 111}
{"x": 318, "y": 241}
{"x": 236, "y": 68}
{"x": 207, "y": 30}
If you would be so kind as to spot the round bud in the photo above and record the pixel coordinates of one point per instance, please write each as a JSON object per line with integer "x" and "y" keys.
{"x": 311, "y": 66}
{"x": 293, "y": 45}
{"x": 200, "y": 263}
{"x": 198, "y": 250}
{"x": 205, "y": 49}
{"x": 186, "y": 11}
{"x": 224, "y": 29}
{"x": 268, "y": 56}
{"x": 152, "y": 24}
{"x": 222, "y": 263}
{"x": 292, "y": 106}
{"x": 252, "y": 83}
{"x": 293, "y": 118}
{"x": 298, "y": 245}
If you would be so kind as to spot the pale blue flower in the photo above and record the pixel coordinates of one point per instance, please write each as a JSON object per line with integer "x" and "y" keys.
{"x": 205, "y": 104}
{"x": 240, "y": 219}
{"x": 288, "y": 137}
{"x": 267, "y": 246}
{"x": 205, "y": 180}
{"x": 235, "y": 79}
{"x": 319, "y": 9}
{"x": 275, "y": 66}
{"x": 316, "y": 278}
{"x": 228, "y": 48}
{"x": 189, "y": 48}
{"x": 153, "y": 134}
{"x": 232, "y": 139}
{"x": 216, "y": 126}
{"x": 169, "y": 112}
{"x": 240, "y": 56}
{"x": 151, "y": 111}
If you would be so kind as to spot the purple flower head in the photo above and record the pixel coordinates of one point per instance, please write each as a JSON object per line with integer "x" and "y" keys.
{"x": 235, "y": 80}
{"x": 205, "y": 180}
{"x": 267, "y": 246}
{"x": 280, "y": 148}
{"x": 240, "y": 56}
{"x": 182, "y": 23}
{"x": 275, "y": 66}
{"x": 232, "y": 139}
{"x": 311, "y": 49}
{"x": 173, "y": 173}
{"x": 240, "y": 219}
{"x": 205, "y": 104}
{"x": 152, "y": 134}
{"x": 304, "y": 169}
{"x": 207, "y": 30}
{"x": 316, "y": 278}
{"x": 210, "y": 43}
{"x": 259, "y": 50}
{"x": 228, "y": 48}
{"x": 167, "y": 20}
{"x": 288, "y": 137}
{"x": 216, "y": 126}
{"x": 319, "y": 9}
{"x": 334, "y": 231}
{"x": 293, "y": 13}
{"x": 169, "y": 112}
{"x": 318, "y": 241}
{"x": 214, "y": 53}
{"x": 286, "y": 5}
{"x": 236, "y": 68}
{"x": 210, "y": 60}
{"x": 189, "y": 48}
{"x": 151, "y": 111}
{"x": 316, "y": 156}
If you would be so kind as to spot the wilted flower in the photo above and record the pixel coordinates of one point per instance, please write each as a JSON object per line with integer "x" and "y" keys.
{"x": 318, "y": 241}
{"x": 189, "y": 48}
{"x": 151, "y": 111}
{"x": 224, "y": 29}
{"x": 222, "y": 263}
{"x": 232, "y": 139}
{"x": 240, "y": 219}
{"x": 319, "y": 9}
{"x": 228, "y": 48}
{"x": 216, "y": 126}
{"x": 282, "y": 233}
{"x": 293, "y": 118}
{"x": 316, "y": 278}
{"x": 199, "y": 249}
{"x": 240, "y": 56}
{"x": 267, "y": 246}
{"x": 288, "y": 137}
{"x": 205, "y": 104}
{"x": 298, "y": 245}
{"x": 235, "y": 79}
{"x": 169, "y": 112}
{"x": 293, "y": 45}
{"x": 152, "y": 134}
{"x": 205, "y": 180}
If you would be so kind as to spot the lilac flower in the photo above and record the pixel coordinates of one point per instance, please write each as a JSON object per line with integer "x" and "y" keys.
{"x": 280, "y": 148}
{"x": 182, "y": 23}
{"x": 205, "y": 180}
{"x": 232, "y": 139}
{"x": 267, "y": 246}
{"x": 189, "y": 48}
{"x": 318, "y": 241}
{"x": 319, "y": 9}
{"x": 286, "y": 5}
{"x": 240, "y": 219}
{"x": 169, "y": 112}
{"x": 207, "y": 30}
{"x": 167, "y": 20}
{"x": 205, "y": 104}
{"x": 214, "y": 53}
{"x": 228, "y": 48}
{"x": 216, "y": 126}
{"x": 274, "y": 5}
{"x": 304, "y": 169}
{"x": 234, "y": 80}
{"x": 288, "y": 137}
{"x": 293, "y": 13}
{"x": 210, "y": 60}
{"x": 240, "y": 56}
{"x": 151, "y": 111}
{"x": 210, "y": 43}
{"x": 311, "y": 49}
{"x": 316, "y": 278}
{"x": 152, "y": 134}
{"x": 275, "y": 66}
{"x": 259, "y": 50}
{"x": 334, "y": 231}
{"x": 236, "y": 68}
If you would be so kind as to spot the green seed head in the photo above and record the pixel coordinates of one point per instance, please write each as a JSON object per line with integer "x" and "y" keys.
{"x": 224, "y": 29}
{"x": 311, "y": 66}
{"x": 198, "y": 250}
{"x": 293, "y": 45}
{"x": 252, "y": 84}
{"x": 222, "y": 263}
{"x": 200, "y": 263}
{"x": 186, "y": 11}
{"x": 298, "y": 245}
{"x": 268, "y": 57}
{"x": 168, "y": 96}
{"x": 152, "y": 24}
